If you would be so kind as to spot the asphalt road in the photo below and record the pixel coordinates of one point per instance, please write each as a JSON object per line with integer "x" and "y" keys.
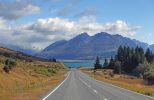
{"x": 79, "y": 86}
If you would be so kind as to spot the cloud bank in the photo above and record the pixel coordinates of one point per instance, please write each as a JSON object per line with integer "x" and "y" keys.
{"x": 17, "y": 9}
{"x": 39, "y": 34}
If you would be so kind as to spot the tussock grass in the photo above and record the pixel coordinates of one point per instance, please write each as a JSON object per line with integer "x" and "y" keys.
{"x": 29, "y": 80}
{"x": 45, "y": 71}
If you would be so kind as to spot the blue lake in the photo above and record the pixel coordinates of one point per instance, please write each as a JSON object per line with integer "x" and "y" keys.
{"x": 80, "y": 63}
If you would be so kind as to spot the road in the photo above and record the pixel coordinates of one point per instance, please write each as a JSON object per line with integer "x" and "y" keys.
{"x": 79, "y": 86}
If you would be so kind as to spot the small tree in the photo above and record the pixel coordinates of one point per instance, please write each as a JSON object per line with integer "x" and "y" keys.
{"x": 97, "y": 64}
{"x": 149, "y": 74}
{"x": 117, "y": 67}
{"x": 149, "y": 56}
{"x": 111, "y": 64}
{"x": 105, "y": 65}
{"x": 54, "y": 60}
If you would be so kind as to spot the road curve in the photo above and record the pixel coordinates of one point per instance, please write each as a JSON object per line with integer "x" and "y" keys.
{"x": 79, "y": 86}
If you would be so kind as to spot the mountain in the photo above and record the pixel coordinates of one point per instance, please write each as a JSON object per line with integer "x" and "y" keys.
{"x": 18, "y": 48}
{"x": 7, "y": 52}
{"x": 152, "y": 47}
{"x": 84, "y": 46}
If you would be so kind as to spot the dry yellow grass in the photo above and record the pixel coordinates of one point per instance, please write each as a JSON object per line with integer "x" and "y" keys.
{"x": 124, "y": 81}
{"x": 23, "y": 83}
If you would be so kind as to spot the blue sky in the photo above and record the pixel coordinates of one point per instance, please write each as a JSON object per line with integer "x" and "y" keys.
{"x": 38, "y": 23}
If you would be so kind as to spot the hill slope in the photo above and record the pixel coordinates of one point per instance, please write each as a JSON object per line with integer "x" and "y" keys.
{"x": 84, "y": 46}
{"x": 18, "y": 48}
{"x": 30, "y": 77}
{"x": 20, "y": 55}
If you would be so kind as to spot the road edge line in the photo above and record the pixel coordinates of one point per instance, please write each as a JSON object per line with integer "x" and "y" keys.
{"x": 124, "y": 88}
{"x": 56, "y": 87}
{"x": 117, "y": 86}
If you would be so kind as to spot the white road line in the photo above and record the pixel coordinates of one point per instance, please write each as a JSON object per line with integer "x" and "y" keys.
{"x": 119, "y": 87}
{"x": 83, "y": 82}
{"x": 124, "y": 89}
{"x": 95, "y": 91}
{"x": 89, "y": 86}
{"x": 56, "y": 87}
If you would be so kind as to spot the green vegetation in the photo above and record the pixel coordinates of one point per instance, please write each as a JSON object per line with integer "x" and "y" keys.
{"x": 149, "y": 56}
{"x": 9, "y": 64}
{"x": 149, "y": 74}
{"x": 130, "y": 58}
{"x": 111, "y": 64}
{"x": 133, "y": 61}
{"x": 105, "y": 63}
{"x": 97, "y": 64}
{"x": 48, "y": 71}
{"x": 140, "y": 70}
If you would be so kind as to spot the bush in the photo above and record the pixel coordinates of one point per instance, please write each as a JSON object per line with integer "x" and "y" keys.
{"x": 149, "y": 74}
{"x": 150, "y": 78}
{"x": 9, "y": 64}
{"x": 6, "y": 69}
{"x": 140, "y": 70}
{"x": 111, "y": 74}
{"x": 48, "y": 71}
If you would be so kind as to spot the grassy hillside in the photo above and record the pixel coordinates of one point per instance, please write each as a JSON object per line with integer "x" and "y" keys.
{"x": 29, "y": 80}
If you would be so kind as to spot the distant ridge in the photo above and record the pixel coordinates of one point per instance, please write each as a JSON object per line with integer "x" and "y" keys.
{"x": 18, "y": 48}
{"x": 7, "y": 52}
{"x": 84, "y": 46}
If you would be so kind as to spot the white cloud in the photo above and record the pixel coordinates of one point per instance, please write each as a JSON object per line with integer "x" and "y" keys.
{"x": 2, "y": 24}
{"x": 17, "y": 9}
{"x": 43, "y": 32}
{"x": 121, "y": 27}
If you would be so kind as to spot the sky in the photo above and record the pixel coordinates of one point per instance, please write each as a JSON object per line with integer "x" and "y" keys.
{"x": 35, "y": 24}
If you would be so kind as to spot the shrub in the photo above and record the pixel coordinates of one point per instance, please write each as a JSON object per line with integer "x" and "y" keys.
{"x": 149, "y": 74}
{"x": 6, "y": 69}
{"x": 111, "y": 74}
{"x": 9, "y": 64}
{"x": 140, "y": 70}
{"x": 48, "y": 71}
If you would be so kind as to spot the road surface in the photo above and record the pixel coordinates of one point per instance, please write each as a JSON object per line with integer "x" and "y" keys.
{"x": 79, "y": 86}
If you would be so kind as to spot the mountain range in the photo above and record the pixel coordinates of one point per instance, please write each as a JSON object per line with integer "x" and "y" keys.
{"x": 84, "y": 46}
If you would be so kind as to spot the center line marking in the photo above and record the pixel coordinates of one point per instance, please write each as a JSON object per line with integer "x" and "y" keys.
{"x": 94, "y": 90}
{"x": 105, "y": 99}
